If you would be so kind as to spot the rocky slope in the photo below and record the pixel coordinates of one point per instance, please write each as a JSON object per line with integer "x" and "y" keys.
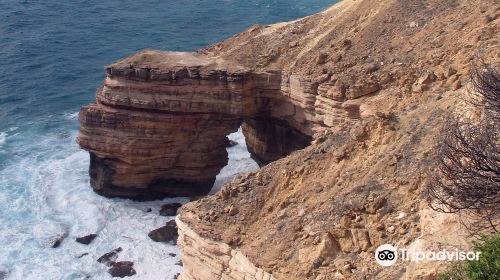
{"x": 365, "y": 85}
{"x": 321, "y": 212}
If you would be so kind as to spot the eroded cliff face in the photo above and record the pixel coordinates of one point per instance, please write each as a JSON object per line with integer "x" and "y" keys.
{"x": 207, "y": 259}
{"x": 377, "y": 81}
{"x": 367, "y": 83}
{"x": 159, "y": 122}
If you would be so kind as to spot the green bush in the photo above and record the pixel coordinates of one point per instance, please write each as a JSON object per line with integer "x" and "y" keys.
{"x": 486, "y": 268}
{"x": 454, "y": 272}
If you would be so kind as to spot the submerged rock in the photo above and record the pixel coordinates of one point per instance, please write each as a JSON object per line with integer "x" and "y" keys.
{"x": 86, "y": 240}
{"x": 110, "y": 257}
{"x": 166, "y": 233}
{"x": 170, "y": 209}
{"x": 57, "y": 240}
{"x": 82, "y": 255}
{"x": 3, "y": 274}
{"x": 122, "y": 269}
{"x": 230, "y": 143}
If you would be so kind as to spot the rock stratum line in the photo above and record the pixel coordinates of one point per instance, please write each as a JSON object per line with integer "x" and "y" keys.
{"x": 211, "y": 260}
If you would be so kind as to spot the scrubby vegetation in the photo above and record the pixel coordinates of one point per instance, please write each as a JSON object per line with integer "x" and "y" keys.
{"x": 467, "y": 178}
{"x": 486, "y": 268}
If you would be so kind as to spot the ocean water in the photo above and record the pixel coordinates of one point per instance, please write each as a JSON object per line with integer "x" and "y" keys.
{"x": 52, "y": 55}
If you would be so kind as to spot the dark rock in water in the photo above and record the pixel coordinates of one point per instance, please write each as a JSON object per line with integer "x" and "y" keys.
{"x": 56, "y": 241}
{"x": 121, "y": 269}
{"x": 170, "y": 209}
{"x": 86, "y": 240}
{"x": 230, "y": 143}
{"x": 179, "y": 263}
{"x": 110, "y": 257}
{"x": 3, "y": 274}
{"x": 149, "y": 210}
{"x": 172, "y": 254}
{"x": 82, "y": 255}
{"x": 177, "y": 275}
{"x": 166, "y": 233}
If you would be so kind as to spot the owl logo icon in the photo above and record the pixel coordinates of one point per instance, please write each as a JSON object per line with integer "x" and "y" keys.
{"x": 386, "y": 255}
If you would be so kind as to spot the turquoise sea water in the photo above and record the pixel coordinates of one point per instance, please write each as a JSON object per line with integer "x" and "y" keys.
{"x": 52, "y": 55}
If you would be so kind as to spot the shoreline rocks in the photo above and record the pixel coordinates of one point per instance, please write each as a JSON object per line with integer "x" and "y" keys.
{"x": 87, "y": 239}
{"x": 207, "y": 259}
{"x": 110, "y": 256}
{"x": 122, "y": 269}
{"x": 119, "y": 269}
{"x": 169, "y": 209}
{"x": 57, "y": 240}
{"x": 167, "y": 233}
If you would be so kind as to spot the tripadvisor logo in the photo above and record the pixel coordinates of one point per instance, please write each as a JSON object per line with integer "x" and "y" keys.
{"x": 387, "y": 255}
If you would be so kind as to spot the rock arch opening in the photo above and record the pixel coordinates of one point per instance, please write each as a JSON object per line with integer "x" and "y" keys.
{"x": 159, "y": 124}
{"x": 269, "y": 139}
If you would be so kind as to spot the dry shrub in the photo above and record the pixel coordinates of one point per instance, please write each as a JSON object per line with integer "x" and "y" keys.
{"x": 467, "y": 177}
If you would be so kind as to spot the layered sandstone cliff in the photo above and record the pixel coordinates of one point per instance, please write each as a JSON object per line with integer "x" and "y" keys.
{"x": 208, "y": 259}
{"x": 160, "y": 120}
{"x": 364, "y": 84}
{"x": 397, "y": 69}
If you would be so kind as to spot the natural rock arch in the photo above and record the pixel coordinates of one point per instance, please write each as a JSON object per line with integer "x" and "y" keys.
{"x": 159, "y": 124}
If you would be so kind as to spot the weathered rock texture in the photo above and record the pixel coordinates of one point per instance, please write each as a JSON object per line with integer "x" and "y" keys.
{"x": 370, "y": 82}
{"x": 270, "y": 139}
{"x": 212, "y": 260}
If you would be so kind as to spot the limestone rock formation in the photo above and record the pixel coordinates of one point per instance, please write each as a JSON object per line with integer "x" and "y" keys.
{"x": 159, "y": 124}
{"x": 366, "y": 82}
{"x": 271, "y": 139}
{"x": 211, "y": 260}
{"x": 372, "y": 83}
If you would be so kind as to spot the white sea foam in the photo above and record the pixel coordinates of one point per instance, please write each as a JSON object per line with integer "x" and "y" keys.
{"x": 3, "y": 138}
{"x": 50, "y": 198}
{"x": 239, "y": 161}
{"x": 47, "y": 195}
{"x": 71, "y": 116}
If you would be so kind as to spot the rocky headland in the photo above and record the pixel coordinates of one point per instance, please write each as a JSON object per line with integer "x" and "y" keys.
{"x": 342, "y": 108}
